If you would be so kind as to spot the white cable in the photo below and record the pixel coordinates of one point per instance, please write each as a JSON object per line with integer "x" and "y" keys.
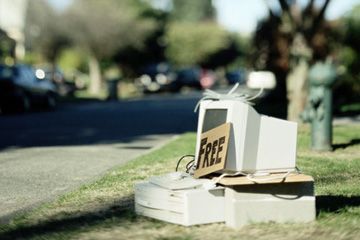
{"x": 252, "y": 178}
{"x": 231, "y": 95}
{"x": 218, "y": 179}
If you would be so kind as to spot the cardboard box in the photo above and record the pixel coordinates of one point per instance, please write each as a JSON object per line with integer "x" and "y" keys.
{"x": 184, "y": 207}
{"x": 265, "y": 179}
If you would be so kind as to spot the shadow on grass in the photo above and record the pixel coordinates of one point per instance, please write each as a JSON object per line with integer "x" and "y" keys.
{"x": 347, "y": 113}
{"x": 328, "y": 203}
{"x": 345, "y": 145}
{"x": 122, "y": 211}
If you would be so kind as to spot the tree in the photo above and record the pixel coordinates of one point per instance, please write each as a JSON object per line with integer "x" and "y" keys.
{"x": 103, "y": 28}
{"x": 132, "y": 59}
{"x": 192, "y": 11}
{"x": 289, "y": 41}
{"x": 194, "y": 38}
{"x": 45, "y": 31}
{"x": 7, "y": 47}
{"x": 193, "y": 44}
{"x": 349, "y": 56}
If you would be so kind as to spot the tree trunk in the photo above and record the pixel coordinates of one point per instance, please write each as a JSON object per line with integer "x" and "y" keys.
{"x": 95, "y": 75}
{"x": 53, "y": 69}
{"x": 297, "y": 78}
{"x": 296, "y": 83}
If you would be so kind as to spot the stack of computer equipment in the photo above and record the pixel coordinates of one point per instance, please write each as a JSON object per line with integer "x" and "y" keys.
{"x": 259, "y": 181}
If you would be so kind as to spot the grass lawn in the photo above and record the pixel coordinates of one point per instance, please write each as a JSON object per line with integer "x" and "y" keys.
{"x": 104, "y": 209}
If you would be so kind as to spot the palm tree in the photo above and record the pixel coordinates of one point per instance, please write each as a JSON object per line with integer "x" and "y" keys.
{"x": 288, "y": 42}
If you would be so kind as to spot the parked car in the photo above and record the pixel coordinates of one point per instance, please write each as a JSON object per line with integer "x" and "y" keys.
{"x": 207, "y": 78}
{"x": 236, "y": 76}
{"x": 194, "y": 77}
{"x": 187, "y": 77}
{"x": 20, "y": 89}
{"x": 161, "y": 77}
{"x": 156, "y": 77}
{"x": 56, "y": 76}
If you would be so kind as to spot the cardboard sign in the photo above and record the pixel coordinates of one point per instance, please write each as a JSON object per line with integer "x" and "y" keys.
{"x": 213, "y": 150}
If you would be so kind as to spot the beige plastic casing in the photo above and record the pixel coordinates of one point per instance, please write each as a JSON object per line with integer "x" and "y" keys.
{"x": 257, "y": 143}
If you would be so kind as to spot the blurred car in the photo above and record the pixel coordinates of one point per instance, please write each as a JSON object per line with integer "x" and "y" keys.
{"x": 160, "y": 77}
{"x": 236, "y": 76}
{"x": 194, "y": 77}
{"x": 63, "y": 87}
{"x": 207, "y": 78}
{"x": 156, "y": 77}
{"x": 20, "y": 89}
{"x": 187, "y": 77}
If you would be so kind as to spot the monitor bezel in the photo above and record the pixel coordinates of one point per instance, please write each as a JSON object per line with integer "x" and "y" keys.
{"x": 236, "y": 144}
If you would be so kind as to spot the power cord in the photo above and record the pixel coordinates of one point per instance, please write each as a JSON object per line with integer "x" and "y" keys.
{"x": 254, "y": 177}
{"x": 218, "y": 179}
{"x": 249, "y": 176}
{"x": 189, "y": 165}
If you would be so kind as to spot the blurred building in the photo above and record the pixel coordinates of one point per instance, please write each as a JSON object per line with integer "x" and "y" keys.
{"x": 12, "y": 22}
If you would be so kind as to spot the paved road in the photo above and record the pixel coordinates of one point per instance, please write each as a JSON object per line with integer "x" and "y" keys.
{"x": 44, "y": 154}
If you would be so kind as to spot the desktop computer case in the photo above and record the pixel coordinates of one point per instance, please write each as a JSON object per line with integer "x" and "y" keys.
{"x": 279, "y": 202}
{"x": 185, "y": 207}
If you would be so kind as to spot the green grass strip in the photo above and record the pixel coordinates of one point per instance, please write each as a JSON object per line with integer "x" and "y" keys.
{"x": 104, "y": 209}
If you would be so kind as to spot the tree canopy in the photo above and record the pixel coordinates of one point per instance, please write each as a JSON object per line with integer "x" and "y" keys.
{"x": 45, "y": 31}
{"x": 288, "y": 42}
{"x": 192, "y": 11}
{"x": 189, "y": 44}
{"x": 194, "y": 38}
{"x": 349, "y": 56}
{"x": 105, "y": 27}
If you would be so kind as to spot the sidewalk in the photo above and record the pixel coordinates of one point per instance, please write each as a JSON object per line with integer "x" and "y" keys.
{"x": 347, "y": 120}
{"x": 31, "y": 176}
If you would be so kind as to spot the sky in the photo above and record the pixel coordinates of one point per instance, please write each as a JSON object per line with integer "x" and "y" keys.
{"x": 242, "y": 15}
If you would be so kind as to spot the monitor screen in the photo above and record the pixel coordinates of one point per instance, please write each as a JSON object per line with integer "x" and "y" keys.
{"x": 213, "y": 118}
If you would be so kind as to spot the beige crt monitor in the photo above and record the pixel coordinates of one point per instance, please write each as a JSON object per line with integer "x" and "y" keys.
{"x": 257, "y": 143}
